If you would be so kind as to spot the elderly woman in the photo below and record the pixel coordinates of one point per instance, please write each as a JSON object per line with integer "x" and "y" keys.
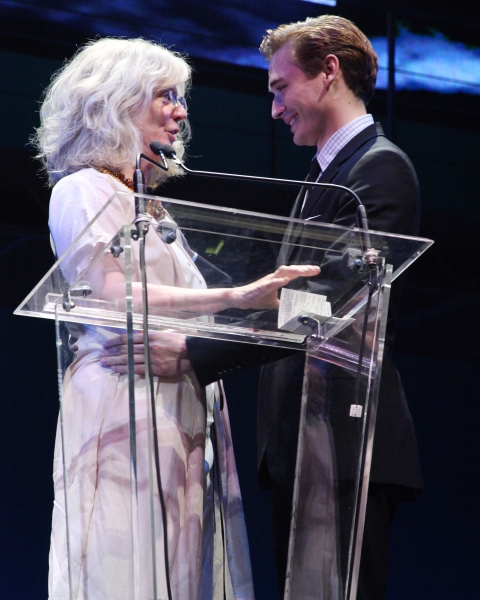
{"x": 101, "y": 109}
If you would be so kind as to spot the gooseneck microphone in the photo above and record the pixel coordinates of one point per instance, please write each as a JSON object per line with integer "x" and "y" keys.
{"x": 168, "y": 151}
{"x": 139, "y": 179}
{"x": 369, "y": 254}
{"x": 142, "y": 219}
{"x": 142, "y": 223}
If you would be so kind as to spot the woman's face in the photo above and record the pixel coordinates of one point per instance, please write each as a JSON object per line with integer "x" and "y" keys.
{"x": 161, "y": 120}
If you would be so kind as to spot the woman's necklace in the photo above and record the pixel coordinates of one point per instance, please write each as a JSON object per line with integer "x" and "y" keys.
{"x": 153, "y": 207}
{"x": 119, "y": 176}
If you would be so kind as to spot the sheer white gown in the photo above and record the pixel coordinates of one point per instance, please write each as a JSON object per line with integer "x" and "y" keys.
{"x": 202, "y": 563}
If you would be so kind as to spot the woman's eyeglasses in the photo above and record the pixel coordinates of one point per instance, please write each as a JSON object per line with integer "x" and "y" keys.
{"x": 174, "y": 98}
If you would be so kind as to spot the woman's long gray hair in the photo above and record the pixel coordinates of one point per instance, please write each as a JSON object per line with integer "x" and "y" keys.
{"x": 89, "y": 113}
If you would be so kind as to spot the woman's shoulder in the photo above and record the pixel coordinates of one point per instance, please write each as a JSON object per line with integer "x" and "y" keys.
{"x": 77, "y": 200}
{"x": 88, "y": 178}
{"x": 86, "y": 188}
{"x": 78, "y": 197}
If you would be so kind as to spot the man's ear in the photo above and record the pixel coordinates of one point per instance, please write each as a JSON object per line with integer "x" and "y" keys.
{"x": 331, "y": 68}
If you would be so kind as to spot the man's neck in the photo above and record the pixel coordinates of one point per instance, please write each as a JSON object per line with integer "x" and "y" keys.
{"x": 340, "y": 138}
{"x": 340, "y": 117}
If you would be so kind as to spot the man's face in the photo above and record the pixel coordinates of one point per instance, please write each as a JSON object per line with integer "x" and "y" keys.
{"x": 298, "y": 100}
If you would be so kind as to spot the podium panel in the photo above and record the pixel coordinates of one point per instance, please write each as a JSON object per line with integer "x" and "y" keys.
{"x": 230, "y": 248}
{"x": 337, "y": 423}
{"x": 103, "y": 284}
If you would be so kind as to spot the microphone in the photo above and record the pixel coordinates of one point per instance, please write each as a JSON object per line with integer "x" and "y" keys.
{"x": 166, "y": 150}
{"x": 163, "y": 150}
{"x": 142, "y": 219}
{"x": 138, "y": 177}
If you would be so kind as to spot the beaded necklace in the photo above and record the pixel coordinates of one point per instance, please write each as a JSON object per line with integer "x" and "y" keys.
{"x": 153, "y": 208}
{"x": 119, "y": 177}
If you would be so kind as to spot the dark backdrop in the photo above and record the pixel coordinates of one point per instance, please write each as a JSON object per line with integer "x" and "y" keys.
{"x": 434, "y": 542}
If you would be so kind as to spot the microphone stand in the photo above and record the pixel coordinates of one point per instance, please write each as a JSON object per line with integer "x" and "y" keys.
{"x": 165, "y": 150}
{"x": 142, "y": 218}
{"x": 370, "y": 259}
{"x": 142, "y": 224}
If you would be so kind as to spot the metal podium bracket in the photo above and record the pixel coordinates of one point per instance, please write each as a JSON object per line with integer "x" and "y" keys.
{"x": 314, "y": 324}
{"x": 81, "y": 289}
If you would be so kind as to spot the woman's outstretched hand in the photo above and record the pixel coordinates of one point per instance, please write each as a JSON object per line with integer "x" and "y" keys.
{"x": 263, "y": 293}
{"x": 168, "y": 350}
{"x": 260, "y": 294}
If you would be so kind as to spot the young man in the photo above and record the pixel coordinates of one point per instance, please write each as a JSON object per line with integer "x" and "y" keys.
{"x": 322, "y": 75}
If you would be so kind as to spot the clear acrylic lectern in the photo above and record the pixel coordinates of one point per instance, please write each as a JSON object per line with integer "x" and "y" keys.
{"x": 338, "y": 318}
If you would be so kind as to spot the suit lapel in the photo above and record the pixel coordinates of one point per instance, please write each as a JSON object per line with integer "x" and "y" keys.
{"x": 293, "y": 233}
{"x": 333, "y": 168}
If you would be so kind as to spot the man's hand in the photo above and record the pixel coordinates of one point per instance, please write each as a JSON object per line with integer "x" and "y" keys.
{"x": 168, "y": 352}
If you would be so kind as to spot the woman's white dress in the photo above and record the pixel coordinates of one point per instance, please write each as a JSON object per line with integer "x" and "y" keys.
{"x": 203, "y": 563}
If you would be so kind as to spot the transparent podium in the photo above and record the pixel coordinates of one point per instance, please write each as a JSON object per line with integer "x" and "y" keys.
{"x": 101, "y": 286}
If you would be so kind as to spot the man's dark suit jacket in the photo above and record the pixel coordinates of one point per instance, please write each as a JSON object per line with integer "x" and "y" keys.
{"x": 384, "y": 179}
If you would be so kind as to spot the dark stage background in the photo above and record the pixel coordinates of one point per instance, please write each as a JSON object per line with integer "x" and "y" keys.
{"x": 435, "y": 550}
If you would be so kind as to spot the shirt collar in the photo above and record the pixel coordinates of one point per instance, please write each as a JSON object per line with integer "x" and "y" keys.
{"x": 340, "y": 139}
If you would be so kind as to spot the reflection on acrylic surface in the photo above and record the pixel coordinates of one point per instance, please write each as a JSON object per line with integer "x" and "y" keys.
{"x": 314, "y": 569}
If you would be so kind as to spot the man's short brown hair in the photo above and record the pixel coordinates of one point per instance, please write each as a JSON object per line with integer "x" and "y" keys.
{"x": 312, "y": 40}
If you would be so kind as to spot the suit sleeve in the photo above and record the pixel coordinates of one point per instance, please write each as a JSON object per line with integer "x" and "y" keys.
{"x": 385, "y": 181}
{"x": 217, "y": 359}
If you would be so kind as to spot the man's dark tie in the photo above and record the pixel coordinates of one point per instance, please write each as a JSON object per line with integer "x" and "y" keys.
{"x": 310, "y": 195}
